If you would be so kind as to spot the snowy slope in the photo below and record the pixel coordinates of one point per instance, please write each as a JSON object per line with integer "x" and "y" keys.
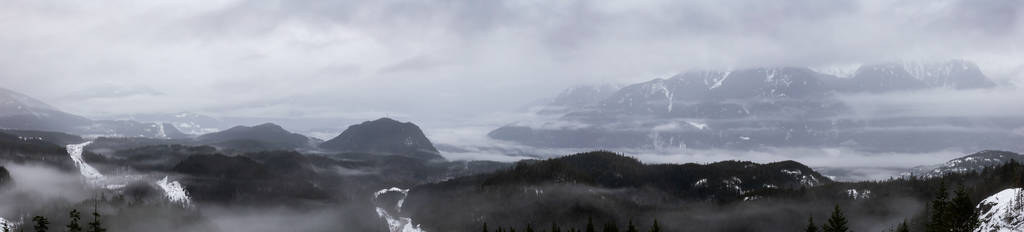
{"x": 969, "y": 163}
{"x": 91, "y": 174}
{"x": 1003, "y": 211}
{"x": 396, "y": 223}
{"x": 172, "y": 189}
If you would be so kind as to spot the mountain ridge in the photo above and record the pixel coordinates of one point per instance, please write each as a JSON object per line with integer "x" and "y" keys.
{"x": 384, "y": 135}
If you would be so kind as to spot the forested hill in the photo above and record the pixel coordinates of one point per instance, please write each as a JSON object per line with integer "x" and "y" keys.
{"x": 602, "y": 185}
{"x": 610, "y": 170}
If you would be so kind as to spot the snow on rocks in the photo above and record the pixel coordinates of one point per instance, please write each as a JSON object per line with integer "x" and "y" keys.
{"x": 7, "y": 223}
{"x": 858, "y": 194}
{"x": 174, "y": 192}
{"x": 701, "y": 183}
{"x": 1003, "y": 211}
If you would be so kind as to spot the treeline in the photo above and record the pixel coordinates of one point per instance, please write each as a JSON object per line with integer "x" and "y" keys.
{"x": 41, "y": 224}
{"x": 944, "y": 215}
{"x": 945, "y": 208}
{"x": 589, "y": 227}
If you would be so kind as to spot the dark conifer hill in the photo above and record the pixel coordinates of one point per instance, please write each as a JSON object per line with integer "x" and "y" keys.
{"x": 384, "y": 135}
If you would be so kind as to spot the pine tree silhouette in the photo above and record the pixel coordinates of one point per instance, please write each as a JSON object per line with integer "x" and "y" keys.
{"x": 611, "y": 227}
{"x": 963, "y": 216}
{"x": 903, "y": 227}
{"x": 73, "y": 224}
{"x": 811, "y": 227}
{"x": 837, "y": 222}
{"x": 590, "y": 224}
{"x": 655, "y": 227}
{"x": 485, "y": 228}
{"x": 96, "y": 225}
{"x": 631, "y": 227}
{"x": 41, "y": 223}
{"x": 939, "y": 218}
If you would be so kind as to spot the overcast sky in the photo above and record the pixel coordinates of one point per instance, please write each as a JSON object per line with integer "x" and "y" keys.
{"x": 441, "y": 59}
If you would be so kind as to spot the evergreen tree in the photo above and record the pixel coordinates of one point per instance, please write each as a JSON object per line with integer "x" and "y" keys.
{"x": 485, "y": 228}
{"x": 939, "y": 220}
{"x": 75, "y": 217}
{"x": 611, "y": 227}
{"x": 903, "y": 227}
{"x": 811, "y": 227}
{"x": 96, "y": 225}
{"x": 631, "y": 227}
{"x": 590, "y": 225}
{"x": 7, "y": 228}
{"x": 655, "y": 227}
{"x": 554, "y": 227}
{"x": 837, "y": 222}
{"x": 963, "y": 217}
{"x": 529, "y": 228}
{"x": 41, "y": 223}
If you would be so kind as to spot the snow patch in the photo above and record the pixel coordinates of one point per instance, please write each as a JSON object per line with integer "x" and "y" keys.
{"x": 698, "y": 125}
{"x": 701, "y": 183}
{"x": 91, "y": 175}
{"x": 858, "y": 194}
{"x": 174, "y": 191}
{"x": 718, "y": 81}
{"x": 792, "y": 172}
{"x": 396, "y": 223}
{"x": 7, "y": 223}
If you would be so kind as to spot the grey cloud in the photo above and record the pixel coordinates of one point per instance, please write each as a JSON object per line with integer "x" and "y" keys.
{"x": 457, "y": 57}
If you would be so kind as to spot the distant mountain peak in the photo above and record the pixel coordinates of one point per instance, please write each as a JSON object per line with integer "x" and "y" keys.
{"x": 973, "y": 162}
{"x": 16, "y": 103}
{"x": 270, "y": 126}
{"x": 266, "y": 133}
{"x": 384, "y": 135}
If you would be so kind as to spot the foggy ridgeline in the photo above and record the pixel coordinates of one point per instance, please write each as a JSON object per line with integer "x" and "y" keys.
{"x": 592, "y": 191}
{"x": 945, "y": 203}
{"x": 387, "y": 175}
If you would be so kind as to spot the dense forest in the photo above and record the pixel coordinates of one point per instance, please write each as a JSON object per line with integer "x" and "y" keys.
{"x": 910, "y": 203}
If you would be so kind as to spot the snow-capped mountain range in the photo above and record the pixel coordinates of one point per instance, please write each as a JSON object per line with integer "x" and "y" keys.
{"x": 772, "y": 107}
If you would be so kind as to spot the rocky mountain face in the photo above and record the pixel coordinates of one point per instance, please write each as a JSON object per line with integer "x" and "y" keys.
{"x": 267, "y": 135}
{"x": 970, "y": 163}
{"x": 772, "y": 107}
{"x": 385, "y": 136}
{"x": 1003, "y": 211}
{"x": 578, "y": 98}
